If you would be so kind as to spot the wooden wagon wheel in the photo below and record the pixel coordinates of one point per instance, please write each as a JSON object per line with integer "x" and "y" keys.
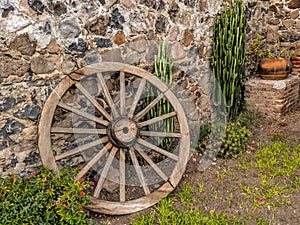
{"x": 122, "y": 135}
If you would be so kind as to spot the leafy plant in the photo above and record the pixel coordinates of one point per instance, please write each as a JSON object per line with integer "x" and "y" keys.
{"x": 44, "y": 197}
{"x": 228, "y": 59}
{"x": 234, "y": 141}
{"x": 163, "y": 68}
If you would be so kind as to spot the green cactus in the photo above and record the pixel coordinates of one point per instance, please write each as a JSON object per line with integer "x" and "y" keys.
{"x": 163, "y": 67}
{"x": 228, "y": 59}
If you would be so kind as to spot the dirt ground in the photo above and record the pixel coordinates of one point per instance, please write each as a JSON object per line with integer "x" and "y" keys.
{"x": 218, "y": 191}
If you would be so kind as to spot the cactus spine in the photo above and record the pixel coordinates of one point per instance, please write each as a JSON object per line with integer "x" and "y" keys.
{"x": 228, "y": 59}
{"x": 163, "y": 67}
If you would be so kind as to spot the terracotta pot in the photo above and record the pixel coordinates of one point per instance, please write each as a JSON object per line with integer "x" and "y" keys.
{"x": 274, "y": 69}
{"x": 296, "y": 59}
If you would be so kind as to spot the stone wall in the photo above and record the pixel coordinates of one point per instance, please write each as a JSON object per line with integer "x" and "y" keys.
{"x": 41, "y": 41}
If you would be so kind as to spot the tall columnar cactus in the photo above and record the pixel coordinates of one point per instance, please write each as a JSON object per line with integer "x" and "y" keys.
{"x": 228, "y": 59}
{"x": 163, "y": 67}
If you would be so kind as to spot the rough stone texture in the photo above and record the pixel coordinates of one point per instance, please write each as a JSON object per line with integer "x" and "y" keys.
{"x": 138, "y": 45}
{"x": 10, "y": 66}
{"x": 294, "y": 4}
{"x": 178, "y": 52}
{"x": 187, "y": 37}
{"x": 114, "y": 55}
{"x": 28, "y": 112}
{"x": 43, "y": 64}
{"x": 23, "y": 44}
{"x": 275, "y": 98}
{"x": 41, "y": 41}
{"x": 91, "y": 57}
{"x": 69, "y": 28}
{"x": 98, "y": 25}
{"x": 119, "y": 38}
{"x": 130, "y": 4}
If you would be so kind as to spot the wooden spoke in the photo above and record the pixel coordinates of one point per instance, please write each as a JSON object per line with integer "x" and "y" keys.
{"x": 122, "y": 176}
{"x": 83, "y": 114}
{"x": 151, "y": 163}
{"x": 139, "y": 171}
{"x": 90, "y": 164}
{"x": 157, "y": 149}
{"x": 107, "y": 95}
{"x": 104, "y": 173}
{"x": 137, "y": 97}
{"x": 93, "y": 101}
{"x": 160, "y": 134}
{"x": 148, "y": 107}
{"x": 77, "y": 130}
{"x": 118, "y": 128}
{"x": 122, "y": 93}
{"x": 81, "y": 148}
{"x": 156, "y": 119}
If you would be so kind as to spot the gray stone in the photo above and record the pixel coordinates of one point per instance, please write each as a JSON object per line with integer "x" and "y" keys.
{"x": 151, "y": 51}
{"x": 279, "y": 85}
{"x": 161, "y": 24}
{"x": 32, "y": 158}
{"x": 133, "y": 59}
{"x": 7, "y": 103}
{"x": 41, "y": 64}
{"x": 103, "y": 42}
{"x": 178, "y": 52}
{"x": 68, "y": 66}
{"x": 7, "y": 8}
{"x": 69, "y": 28}
{"x": 37, "y": 6}
{"x": 190, "y": 3}
{"x": 23, "y": 44}
{"x": 173, "y": 11}
{"x": 114, "y": 55}
{"x": 138, "y": 45}
{"x": 116, "y": 20}
{"x": 80, "y": 46}
{"x": 28, "y": 112}
{"x": 13, "y": 127}
{"x": 91, "y": 57}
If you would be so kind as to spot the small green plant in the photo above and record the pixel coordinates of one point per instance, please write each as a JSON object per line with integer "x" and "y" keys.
{"x": 260, "y": 48}
{"x": 186, "y": 196}
{"x": 235, "y": 139}
{"x": 163, "y": 68}
{"x": 237, "y": 136}
{"x": 44, "y": 197}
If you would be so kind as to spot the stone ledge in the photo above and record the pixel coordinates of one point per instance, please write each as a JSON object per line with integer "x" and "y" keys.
{"x": 273, "y": 98}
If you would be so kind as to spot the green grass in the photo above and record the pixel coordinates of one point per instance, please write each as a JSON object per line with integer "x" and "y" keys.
{"x": 275, "y": 169}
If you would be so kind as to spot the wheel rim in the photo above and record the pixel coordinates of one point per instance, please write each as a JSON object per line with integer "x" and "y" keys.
{"x": 121, "y": 135}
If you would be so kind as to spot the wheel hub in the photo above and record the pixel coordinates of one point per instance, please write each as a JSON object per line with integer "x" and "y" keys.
{"x": 123, "y": 132}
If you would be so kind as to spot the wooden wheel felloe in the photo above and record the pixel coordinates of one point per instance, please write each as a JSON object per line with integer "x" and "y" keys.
{"x": 96, "y": 120}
